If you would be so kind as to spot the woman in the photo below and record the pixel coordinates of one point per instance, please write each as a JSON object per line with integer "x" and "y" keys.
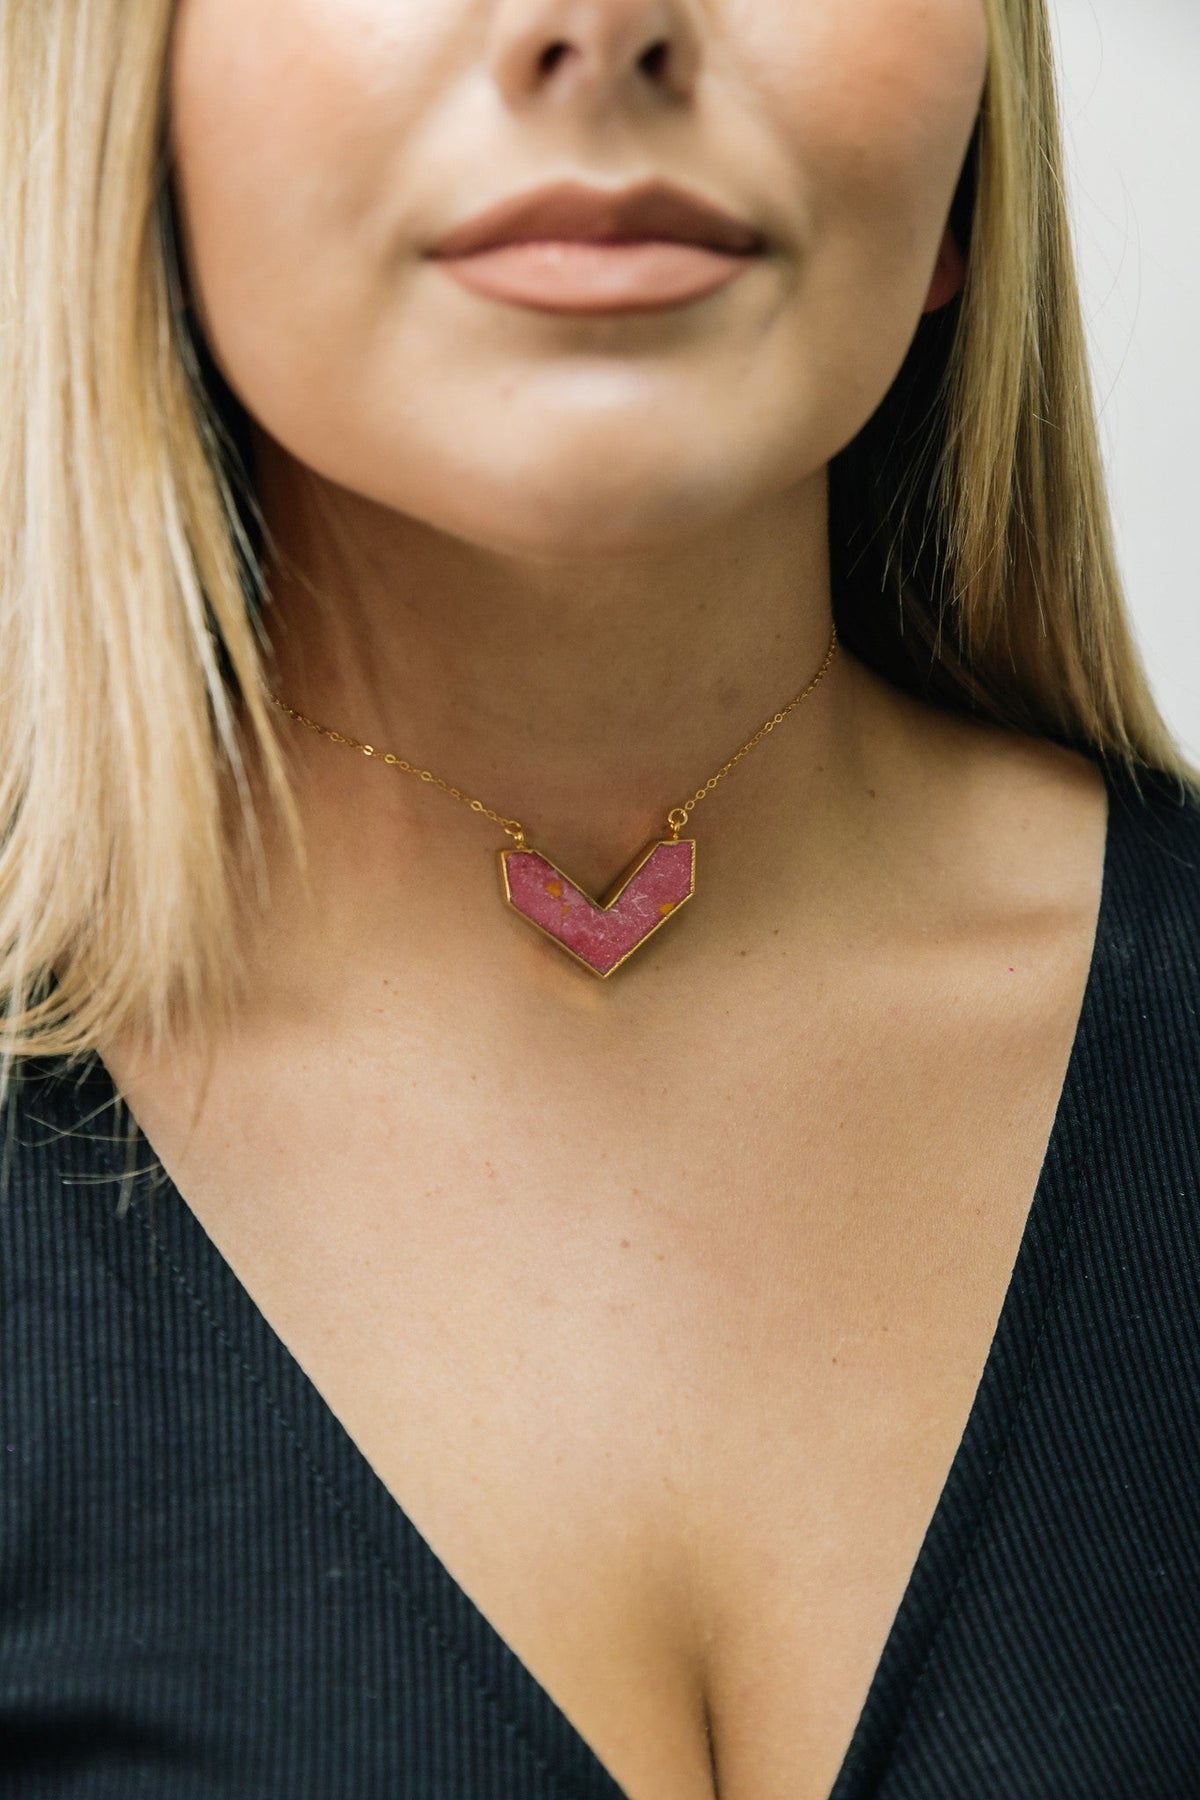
{"x": 699, "y": 1307}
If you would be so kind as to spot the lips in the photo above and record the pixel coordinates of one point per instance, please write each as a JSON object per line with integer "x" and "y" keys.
{"x": 570, "y": 212}
{"x": 575, "y": 249}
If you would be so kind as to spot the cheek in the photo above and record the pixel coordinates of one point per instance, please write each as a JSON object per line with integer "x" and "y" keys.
{"x": 879, "y": 98}
{"x": 283, "y": 136}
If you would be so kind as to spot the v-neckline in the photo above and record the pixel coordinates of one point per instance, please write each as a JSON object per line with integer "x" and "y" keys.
{"x": 426, "y": 1581}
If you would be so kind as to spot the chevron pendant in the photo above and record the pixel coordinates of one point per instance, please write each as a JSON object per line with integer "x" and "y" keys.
{"x": 601, "y": 934}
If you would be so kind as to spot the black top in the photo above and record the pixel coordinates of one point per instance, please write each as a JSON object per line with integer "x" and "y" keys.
{"x": 206, "y": 1591}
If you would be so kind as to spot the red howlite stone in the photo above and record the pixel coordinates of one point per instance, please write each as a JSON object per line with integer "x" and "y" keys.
{"x": 601, "y": 934}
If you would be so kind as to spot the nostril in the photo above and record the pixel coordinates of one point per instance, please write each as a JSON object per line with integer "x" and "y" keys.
{"x": 654, "y": 60}
{"x": 551, "y": 56}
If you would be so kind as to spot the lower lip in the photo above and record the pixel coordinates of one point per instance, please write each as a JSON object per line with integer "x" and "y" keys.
{"x": 572, "y": 277}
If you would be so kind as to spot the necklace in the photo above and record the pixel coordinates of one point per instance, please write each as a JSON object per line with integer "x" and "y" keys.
{"x": 599, "y": 934}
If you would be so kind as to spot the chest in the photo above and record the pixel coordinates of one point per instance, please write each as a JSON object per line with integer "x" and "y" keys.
{"x": 666, "y": 1358}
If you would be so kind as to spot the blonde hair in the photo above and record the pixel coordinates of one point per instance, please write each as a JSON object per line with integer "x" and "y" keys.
{"x": 129, "y": 571}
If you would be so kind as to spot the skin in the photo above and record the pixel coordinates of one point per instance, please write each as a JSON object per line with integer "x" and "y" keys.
{"x": 569, "y": 564}
{"x": 658, "y": 1303}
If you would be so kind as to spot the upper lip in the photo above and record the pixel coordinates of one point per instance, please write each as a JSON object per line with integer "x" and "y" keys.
{"x": 571, "y": 210}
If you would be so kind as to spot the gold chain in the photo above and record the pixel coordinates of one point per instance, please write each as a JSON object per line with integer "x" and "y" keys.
{"x": 677, "y": 818}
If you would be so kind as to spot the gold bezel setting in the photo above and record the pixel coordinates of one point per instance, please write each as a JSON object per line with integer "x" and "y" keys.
{"x": 612, "y": 898}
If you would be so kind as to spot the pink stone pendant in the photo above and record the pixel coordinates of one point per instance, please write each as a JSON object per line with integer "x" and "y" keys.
{"x": 601, "y": 934}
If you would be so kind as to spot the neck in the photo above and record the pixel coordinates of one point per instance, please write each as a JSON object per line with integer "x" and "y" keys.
{"x": 585, "y": 697}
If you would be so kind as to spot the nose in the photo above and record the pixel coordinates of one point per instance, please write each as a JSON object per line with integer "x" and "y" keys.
{"x": 594, "y": 52}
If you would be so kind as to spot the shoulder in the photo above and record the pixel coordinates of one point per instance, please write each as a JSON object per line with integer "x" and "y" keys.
{"x": 68, "y": 1182}
{"x": 1140, "y": 1037}
{"x": 1150, "y": 922}
{"x": 1152, "y": 869}
{"x": 61, "y": 1127}
{"x": 1155, "y": 825}
{"x": 1055, "y": 819}
{"x": 1115, "y": 853}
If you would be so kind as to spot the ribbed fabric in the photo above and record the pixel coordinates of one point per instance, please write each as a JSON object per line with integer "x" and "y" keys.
{"x": 206, "y": 1591}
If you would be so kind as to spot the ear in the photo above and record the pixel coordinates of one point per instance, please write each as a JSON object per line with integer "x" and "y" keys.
{"x": 949, "y": 274}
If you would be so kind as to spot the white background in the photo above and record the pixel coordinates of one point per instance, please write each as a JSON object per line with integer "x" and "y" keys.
{"x": 1130, "y": 78}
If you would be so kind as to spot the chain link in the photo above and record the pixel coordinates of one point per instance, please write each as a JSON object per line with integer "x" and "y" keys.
{"x": 677, "y": 818}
